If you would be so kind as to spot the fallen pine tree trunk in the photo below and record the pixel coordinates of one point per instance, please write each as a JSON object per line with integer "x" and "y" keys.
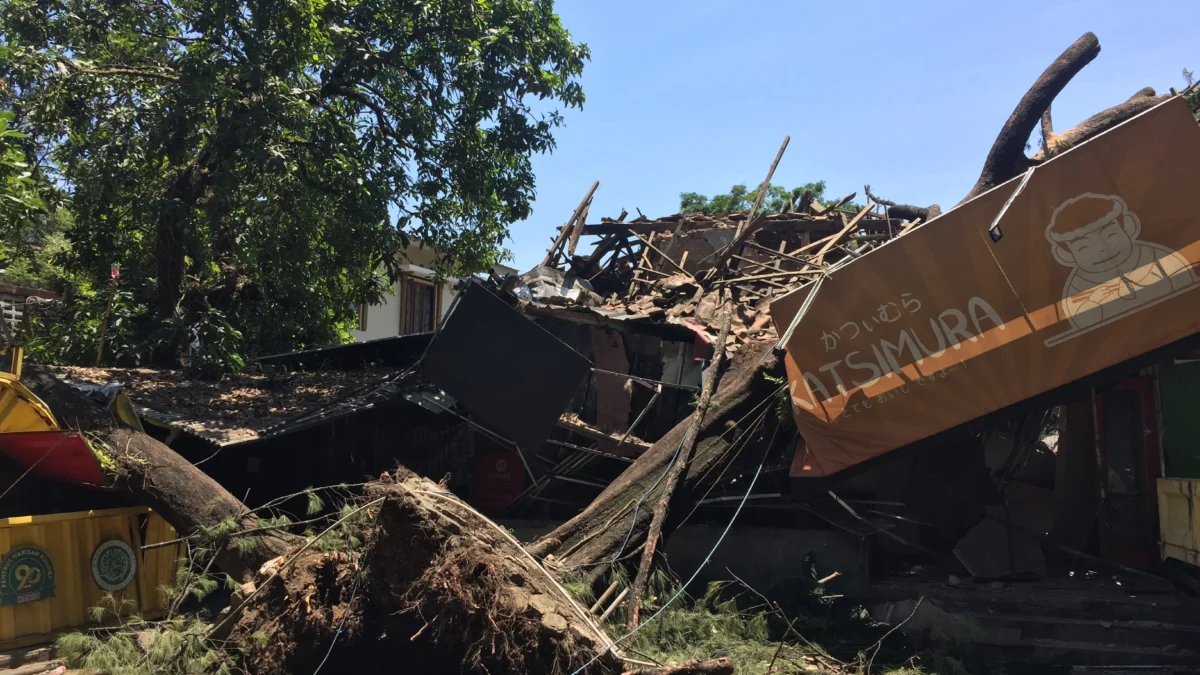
{"x": 614, "y": 526}
{"x": 721, "y": 666}
{"x": 439, "y": 588}
{"x": 156, "y": 476}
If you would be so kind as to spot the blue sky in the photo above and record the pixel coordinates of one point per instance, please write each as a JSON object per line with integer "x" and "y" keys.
{"x": 697, "y": 95}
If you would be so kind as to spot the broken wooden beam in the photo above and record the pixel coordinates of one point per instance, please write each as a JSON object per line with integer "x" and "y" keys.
{"x": 565, "y": 232}
{"x": 762, "y": 190}
{"x": 668, "y": 258}
{"x": 850, "y": 225}
{"x": 775, "y": 275}
{"x": 575, "y": 425}
{"x": 780, "y": 254}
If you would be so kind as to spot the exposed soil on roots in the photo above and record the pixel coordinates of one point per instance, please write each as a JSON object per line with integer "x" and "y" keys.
{"x": 439, "y": 588}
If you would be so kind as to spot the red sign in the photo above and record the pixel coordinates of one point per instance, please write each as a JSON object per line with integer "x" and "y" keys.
{"x": 59, "y": 455}
{"x": 498, "y": 482}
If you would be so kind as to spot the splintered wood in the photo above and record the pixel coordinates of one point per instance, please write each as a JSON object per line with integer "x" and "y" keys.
{"x": 675, "y": 268}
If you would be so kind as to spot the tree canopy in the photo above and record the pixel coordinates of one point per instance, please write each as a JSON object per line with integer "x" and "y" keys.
{"x": 740, "y": 198}
{"x": 20, "y": 197}
{"x": 254, "y": 166}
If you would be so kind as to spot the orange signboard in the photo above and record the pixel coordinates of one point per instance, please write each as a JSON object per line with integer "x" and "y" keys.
{"x": 1094, "y": 264}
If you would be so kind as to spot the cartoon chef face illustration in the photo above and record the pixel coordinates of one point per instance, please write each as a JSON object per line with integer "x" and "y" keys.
{"x": 1113, "y": 272}
{"x": 1094, "y": 233}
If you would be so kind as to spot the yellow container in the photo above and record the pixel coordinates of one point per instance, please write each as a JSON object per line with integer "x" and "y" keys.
{"x": 20, "y": 409}
{"x": 63, "y": 546}
{"x": 1178, "y": 516}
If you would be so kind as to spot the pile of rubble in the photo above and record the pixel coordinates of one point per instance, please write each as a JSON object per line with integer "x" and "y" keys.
{"x": 679, "y": 268}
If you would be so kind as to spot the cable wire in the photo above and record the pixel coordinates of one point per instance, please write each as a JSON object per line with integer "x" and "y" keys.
{"x": 636, "y": 507}
{"x": 707, "y": 559}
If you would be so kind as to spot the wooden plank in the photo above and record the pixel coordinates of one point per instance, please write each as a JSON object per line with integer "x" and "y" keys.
{"x": 46, "y": 638}
{"x": 7, "y": 621}
{"x": 664, "y": 255}
{"x": 653, "y": 271}
{"x": 800, "y": 224}
{"x": 642, "y": 263}
{"x": 810, "y": 246}
{"x": 138, "y": 585}
{"x": 751, "y": 291}
{"x": 578, "y": 229}
{"x": 117, "y": 527}
{"x": 33, "y": 618}
{"x": 850, "y": 225}
{"x": 160, "y": 563}
{"x": 91, "y": 539}
{"x": 82, "y": 572}
{"x": 584, "y": 429}
{"x": 762, "y": 191}
{"x": 722, "y": 256}
{"x": 73, "y": 515}
{"x": 773, "y": 267}
{"x": 148, "y": 565}
{"x": 775, "y": 275}
{"x": 65, "y": 608}
{"x": 780, "y": 254}
{"x": 841, "y": 202}
{"x": 772, "y": 283}
{"x": 167, "y": 560}
{"x": 569, "y": 228}
{"x": 669, "y": 258}
{"x": 168, "y": 556}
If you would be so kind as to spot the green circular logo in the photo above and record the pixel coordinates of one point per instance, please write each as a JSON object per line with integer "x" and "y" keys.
{"x": 26, "y": 575}
{"x": 113, "y": 565}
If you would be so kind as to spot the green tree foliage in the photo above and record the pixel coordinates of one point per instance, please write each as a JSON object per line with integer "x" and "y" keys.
{"x": 1192, "y": 93}
{"x": 739, "y": 198}
{"x": 21, "y": 202}
{"x": 34, "y": 249}
{"x": 254, "y": 166}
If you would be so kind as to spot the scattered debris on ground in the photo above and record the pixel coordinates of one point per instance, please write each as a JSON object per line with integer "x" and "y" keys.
{"x": 405, "y": 571}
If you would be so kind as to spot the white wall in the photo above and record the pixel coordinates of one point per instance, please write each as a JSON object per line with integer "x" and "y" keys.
{"x": 447, "y": 298}
{"x": 383, "y": 320}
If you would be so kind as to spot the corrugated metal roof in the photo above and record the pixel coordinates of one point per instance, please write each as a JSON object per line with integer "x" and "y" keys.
{"x": 241, "y": 408}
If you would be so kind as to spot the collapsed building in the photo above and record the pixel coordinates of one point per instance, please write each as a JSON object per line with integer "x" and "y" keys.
{"x": 979, "y": 424}
{"x": 971, "y": 412}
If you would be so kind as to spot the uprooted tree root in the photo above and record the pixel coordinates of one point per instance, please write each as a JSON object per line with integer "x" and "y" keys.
{"x": 439, "y": 587}
{"x": 291, "y": 624}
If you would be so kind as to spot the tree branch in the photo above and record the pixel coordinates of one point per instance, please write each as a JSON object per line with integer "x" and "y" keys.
{"x": 1047, "y": 129}
{"x": 381, "y": 117}
{"x": 70, "y": 68}
{"x": 686, "y": 445}
{"x": 1007, "y": 156}
{"x": 905, "y": 211}
{"x": 1102, "y": 121}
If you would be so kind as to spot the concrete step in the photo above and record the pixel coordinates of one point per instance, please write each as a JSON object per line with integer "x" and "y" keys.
{"x": 1074, "y": 630}
{"x": 1032, "y": 638}
{"x": 17, "y": 658}
{"x": 38, "y": 668}
{"x": 1068, "y": 604}
{"x": 1051, "y": 669}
